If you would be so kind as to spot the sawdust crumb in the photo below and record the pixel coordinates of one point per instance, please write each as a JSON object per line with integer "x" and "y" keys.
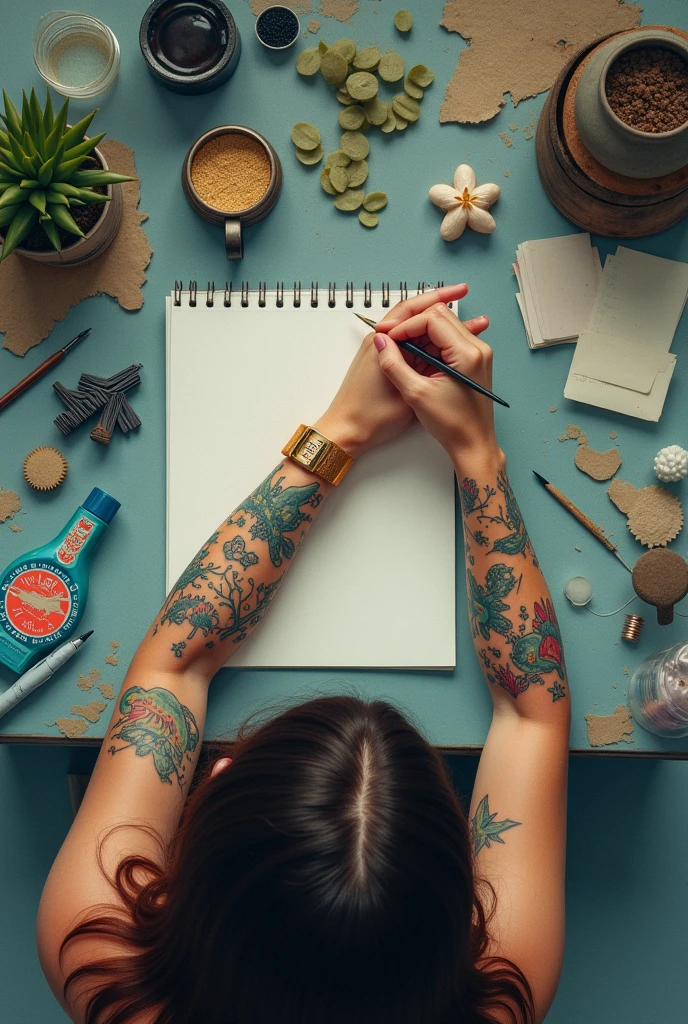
{"x": 627, "y": 670}
{"x": 506, "y": 139}
{"x": 577, "y": 548}
{"x": 613, "y": 434}
{"x": 507, "y": 174}
{"x": 15, "y": 529}
{"x": 111, "y": 660}
{"x": 85, "y": 683}
{"x": 528, "y": 135}
{"x": 72, "y": 728}
{"x": 10, "y": 504}
{"x": 91, "y": 712}
{"x": 313, "y": 25}
{"x": 606, "y": 729}
{"x": 107, "y": 691}
{"x": 572, "y": 432}
{"x": 513, "y": 127}
{"x": 114, "y": 644}
{"x": 552, "y": 408}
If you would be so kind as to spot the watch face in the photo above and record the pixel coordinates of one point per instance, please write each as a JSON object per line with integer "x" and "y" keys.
{"x": 308, "y": 452}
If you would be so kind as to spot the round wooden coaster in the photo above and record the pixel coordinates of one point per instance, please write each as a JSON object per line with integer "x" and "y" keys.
{"x": 45, "y": 468}
{"x": 669, "y": 184}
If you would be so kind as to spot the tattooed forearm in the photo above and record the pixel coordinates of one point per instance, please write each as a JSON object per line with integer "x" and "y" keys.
{"x": 154, "y": 722}
{"x": 516, "y": 656}
{"x": 485, "y": 830}
{"x": 221, "y": 594}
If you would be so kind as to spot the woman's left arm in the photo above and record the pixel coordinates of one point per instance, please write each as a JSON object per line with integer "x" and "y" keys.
{"x": 151, "y": 747}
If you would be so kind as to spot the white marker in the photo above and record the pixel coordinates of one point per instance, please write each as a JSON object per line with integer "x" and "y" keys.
{"x": 40, "y": 673}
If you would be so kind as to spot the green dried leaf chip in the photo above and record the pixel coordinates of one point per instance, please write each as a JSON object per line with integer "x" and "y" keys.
{"x": 362, "y": 85}
{"x": 403, "y": 21}
{"x": 421, "y": 75}
{"x": 325, "y": 182}
{"x": 347, "y": 48}
{"x": 343, "y": 97}
{"x": 375, "y": 201}
{"x": 368, "y": 220}
{"x": 406, "y": 107}
{"x": 358, "y": 172}
{"x": 401, "y": 122}
{"x": 413, "y": 90}
{"x": 391, "y": 67}
{"x": 376, "y": 110}
{"x": 322, "y": 46}
{"x": 366, "y": 60}
{"x": 309, "y": 156}
{"x": 391, "y": 122}
{"x": 351, "y": 118}
{"x": 305, "y": 135}
{"x": 338, "y": 159}
{"x": 365, "y": 126}
{"x": 355, "y": 145}
{"x": 334, "y": 68}
{"x": 339, "y": 177}
{"x": 349, "y": 200}
{"x": 308, "y": 62}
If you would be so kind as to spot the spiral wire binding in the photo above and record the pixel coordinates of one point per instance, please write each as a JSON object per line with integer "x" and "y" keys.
{"x": 262, "y": 293}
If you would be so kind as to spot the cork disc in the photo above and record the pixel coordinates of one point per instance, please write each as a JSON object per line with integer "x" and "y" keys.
{"x": 587, "y": 163}
{"x": 660, "y": 577}
{"x": 45, "y": 468}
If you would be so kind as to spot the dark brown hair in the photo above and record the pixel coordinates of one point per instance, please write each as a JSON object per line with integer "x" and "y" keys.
{"x": 325, "y": 876}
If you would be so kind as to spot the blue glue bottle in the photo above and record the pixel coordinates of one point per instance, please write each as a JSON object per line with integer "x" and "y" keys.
{"x": 43, "y": 594}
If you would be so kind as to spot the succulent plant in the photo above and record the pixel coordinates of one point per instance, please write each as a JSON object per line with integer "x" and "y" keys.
{"x": 39, "y": 171}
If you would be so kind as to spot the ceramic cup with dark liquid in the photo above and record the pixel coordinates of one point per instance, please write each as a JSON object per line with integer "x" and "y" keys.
{"x": 190, "y": 46}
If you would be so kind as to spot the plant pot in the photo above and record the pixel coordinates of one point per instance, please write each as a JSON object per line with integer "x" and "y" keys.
{"x": 615, "y": 144}
{"x": 97, "y": 238}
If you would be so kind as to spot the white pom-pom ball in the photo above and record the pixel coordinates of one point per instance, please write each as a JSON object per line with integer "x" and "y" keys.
{"x": 671, "y": 463}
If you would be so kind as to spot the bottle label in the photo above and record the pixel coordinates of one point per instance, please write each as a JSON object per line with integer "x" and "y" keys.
{"x": 74, "y": 541}
{"x": 40, "y": 601}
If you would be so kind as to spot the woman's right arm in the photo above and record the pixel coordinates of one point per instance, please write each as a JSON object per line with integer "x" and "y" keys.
{"x": 518, "y": 809}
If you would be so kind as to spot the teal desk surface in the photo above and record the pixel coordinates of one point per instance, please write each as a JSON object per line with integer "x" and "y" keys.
{"x": 306, "y": 239}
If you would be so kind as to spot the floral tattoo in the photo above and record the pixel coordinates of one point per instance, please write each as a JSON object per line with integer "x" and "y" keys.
{"x": 219, "y": 598}
{"x": 154, "y": 722}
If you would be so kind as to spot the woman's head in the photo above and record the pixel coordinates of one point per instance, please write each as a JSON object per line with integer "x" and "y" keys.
{"x": 323, "y": 877}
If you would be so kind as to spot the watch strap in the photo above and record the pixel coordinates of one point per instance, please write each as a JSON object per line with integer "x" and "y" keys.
{"x": 332, "y": 464}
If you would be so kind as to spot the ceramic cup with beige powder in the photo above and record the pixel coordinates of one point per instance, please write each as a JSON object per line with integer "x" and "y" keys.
{"x": 232, "y": 176}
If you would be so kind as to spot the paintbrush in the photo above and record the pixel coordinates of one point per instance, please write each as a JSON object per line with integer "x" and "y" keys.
{"x": 43, "y": 368}
{"x": 439, "y": 364}
{"x": 582, "y": 518}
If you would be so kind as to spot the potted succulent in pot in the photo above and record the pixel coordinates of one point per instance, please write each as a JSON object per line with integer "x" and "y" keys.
{"x": 57, "y": 201}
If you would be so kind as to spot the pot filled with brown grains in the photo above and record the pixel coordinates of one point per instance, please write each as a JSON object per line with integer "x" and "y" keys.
{"x": 232, "y": 176}
{"x": 631, "y": 103}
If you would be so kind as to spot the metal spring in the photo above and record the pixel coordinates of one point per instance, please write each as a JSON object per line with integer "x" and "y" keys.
{"x": 632, "y": 628}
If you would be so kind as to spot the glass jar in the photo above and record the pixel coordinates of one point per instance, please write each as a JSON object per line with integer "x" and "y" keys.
{"x": 658, "y": 692}
{"x": 75, "y": 54}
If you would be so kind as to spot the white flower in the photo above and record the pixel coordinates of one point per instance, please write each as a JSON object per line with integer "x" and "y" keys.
{"x": 465, "y": 203}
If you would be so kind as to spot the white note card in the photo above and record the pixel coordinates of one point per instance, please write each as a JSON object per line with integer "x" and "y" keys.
{"x": 374, "y": 584}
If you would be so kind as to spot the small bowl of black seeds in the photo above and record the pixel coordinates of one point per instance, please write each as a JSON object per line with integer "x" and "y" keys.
{"x": 277, "y": 27}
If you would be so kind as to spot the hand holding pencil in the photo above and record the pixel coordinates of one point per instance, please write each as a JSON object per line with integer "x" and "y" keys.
{"x": 457, "y": 416}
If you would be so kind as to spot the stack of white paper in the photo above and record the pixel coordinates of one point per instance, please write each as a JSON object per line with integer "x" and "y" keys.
{"x": 622, "y": 361}
{"x": 558, "y": 279}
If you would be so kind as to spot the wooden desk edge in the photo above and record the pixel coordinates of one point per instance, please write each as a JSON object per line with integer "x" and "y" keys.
{"x": 224, "y": 748}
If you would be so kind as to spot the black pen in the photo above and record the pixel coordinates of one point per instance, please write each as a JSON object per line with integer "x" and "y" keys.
{"x": 439, "y": 364}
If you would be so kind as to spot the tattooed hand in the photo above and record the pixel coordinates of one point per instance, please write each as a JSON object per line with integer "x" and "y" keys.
{"x": 368, "y": 410}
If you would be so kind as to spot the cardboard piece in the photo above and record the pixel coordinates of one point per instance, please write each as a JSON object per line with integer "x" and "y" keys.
{"x": 655, "y": 515}
{"x": 10, "y": 504}
{"x": 598, "y": 465}
{"x": 340, "y": 10}
{"x": 606, "y": 729}
{"x": 519, "y": 47}
{"x": 91, "y": 711}
{"x": 119, "y": 272}
{"x": 72, "y": 728}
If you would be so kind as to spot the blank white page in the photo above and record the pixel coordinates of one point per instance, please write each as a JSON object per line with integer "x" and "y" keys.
{"x": 375, "y": 578}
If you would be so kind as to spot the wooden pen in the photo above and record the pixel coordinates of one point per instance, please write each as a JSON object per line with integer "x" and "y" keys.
{"x": 40, "y": 370}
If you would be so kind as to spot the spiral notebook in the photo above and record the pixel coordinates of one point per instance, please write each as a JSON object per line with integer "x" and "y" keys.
{"x": 374, "y": 585}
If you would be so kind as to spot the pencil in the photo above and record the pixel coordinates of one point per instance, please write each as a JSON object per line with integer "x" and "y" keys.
{"x": 36, "y": 374}
{"x": 581, "y": 517}
{"x": 439, "y": 364}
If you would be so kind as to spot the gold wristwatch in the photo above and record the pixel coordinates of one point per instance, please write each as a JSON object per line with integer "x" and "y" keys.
{"x": 318, "y": 454}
